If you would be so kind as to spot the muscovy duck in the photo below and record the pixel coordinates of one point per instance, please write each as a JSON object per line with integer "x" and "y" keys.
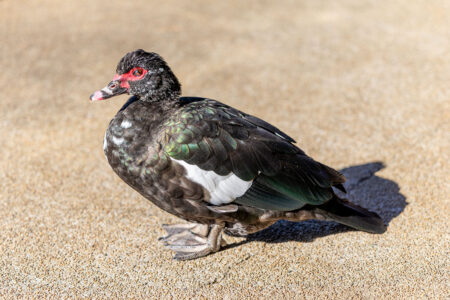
{"x": 213, "y": 165}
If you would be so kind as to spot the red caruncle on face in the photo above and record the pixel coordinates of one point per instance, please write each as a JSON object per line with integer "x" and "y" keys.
{"x": 134, "y": 74}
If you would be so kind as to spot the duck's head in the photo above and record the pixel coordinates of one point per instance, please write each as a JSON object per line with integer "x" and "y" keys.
{"x": 142, "y": 74}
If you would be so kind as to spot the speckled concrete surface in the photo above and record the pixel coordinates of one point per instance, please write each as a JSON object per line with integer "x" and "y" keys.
{"x": 359, "y": 84}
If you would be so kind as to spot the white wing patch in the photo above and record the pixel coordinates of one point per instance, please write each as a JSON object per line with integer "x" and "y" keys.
{"x": 222, "y": 189}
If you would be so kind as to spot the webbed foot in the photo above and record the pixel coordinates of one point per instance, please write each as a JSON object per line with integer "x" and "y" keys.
{"x": 191, "y": 241}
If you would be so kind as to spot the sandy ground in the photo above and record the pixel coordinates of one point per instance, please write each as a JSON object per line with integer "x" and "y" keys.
{"x": 362, "y": 86}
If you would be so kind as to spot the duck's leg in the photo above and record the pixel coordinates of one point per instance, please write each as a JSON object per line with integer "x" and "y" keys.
{"x": 191, "y": 241}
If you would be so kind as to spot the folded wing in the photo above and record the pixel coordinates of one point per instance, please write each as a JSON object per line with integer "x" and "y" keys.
{"x": 212, "y": 136}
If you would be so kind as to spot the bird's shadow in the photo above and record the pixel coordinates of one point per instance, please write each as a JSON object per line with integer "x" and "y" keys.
{"x": 363, "y": 187}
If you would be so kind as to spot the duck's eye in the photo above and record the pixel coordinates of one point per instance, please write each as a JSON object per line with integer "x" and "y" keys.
{"x": 138, "y": 72}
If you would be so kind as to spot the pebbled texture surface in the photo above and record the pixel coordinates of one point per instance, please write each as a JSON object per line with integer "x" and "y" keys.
{"x": 354, "y": 83}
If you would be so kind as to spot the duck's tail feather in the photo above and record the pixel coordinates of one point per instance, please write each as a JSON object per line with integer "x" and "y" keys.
{"x": 347, "y": 213}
